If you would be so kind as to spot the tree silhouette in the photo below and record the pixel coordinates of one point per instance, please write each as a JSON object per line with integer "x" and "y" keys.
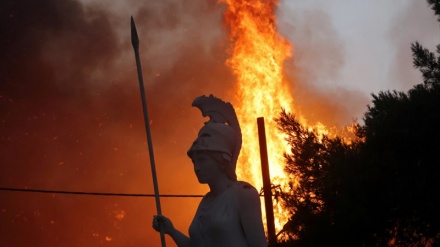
{"x": 326, "y": 203}
{"x": 381, "y": 189}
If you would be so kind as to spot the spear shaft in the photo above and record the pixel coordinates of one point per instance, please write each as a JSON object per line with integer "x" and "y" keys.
{"x": 135, "y": 43}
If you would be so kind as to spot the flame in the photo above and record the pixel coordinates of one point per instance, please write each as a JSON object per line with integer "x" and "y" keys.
{"x": 257, "y": 59}
{"x": 258, "y": 56}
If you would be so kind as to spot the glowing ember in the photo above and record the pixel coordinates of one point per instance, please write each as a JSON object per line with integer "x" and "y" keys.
{"x": 119, "y": 214}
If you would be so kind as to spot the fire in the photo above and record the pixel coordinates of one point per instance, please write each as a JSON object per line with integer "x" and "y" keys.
{"x": 258, "y": 55}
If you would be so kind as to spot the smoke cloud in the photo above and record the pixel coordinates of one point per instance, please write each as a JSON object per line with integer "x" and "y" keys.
{"x": 415, "y": 23}
{"x": 314, "y": 71}
{"x": 71, "y": 116}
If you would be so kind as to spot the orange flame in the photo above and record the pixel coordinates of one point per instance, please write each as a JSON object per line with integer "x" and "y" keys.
{"x": 258, "y": 56}
{"x": 257, "y": 61}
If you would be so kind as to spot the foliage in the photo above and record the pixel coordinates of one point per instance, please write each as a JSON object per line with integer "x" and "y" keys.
{"x": 319, "y": 204}
{"x": 382, "y": 189}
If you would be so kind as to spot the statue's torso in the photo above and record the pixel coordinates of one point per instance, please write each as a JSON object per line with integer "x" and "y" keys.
{"x": 217, "y": 220}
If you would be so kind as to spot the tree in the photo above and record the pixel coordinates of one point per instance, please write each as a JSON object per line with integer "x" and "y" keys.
{"x": 382, "y": 189}
{"x": 322, "y": 165}
{"x": 402, "y": 144}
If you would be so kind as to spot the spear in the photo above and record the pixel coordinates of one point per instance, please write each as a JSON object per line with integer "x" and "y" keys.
{"x": 135, "y": 43}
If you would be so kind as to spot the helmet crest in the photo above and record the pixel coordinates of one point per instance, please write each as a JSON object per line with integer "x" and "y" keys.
{"x": 221, "y": 133}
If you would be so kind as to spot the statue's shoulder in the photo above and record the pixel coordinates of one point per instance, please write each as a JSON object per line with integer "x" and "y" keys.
{"x": 244, "y": 185}
{"x": 246, "y": 189}
{"x": 247, "y": 196}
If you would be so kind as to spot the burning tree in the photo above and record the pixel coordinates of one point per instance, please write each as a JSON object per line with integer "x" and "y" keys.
{"x": 381, "y": 189}
{"x": 318, "y": 203}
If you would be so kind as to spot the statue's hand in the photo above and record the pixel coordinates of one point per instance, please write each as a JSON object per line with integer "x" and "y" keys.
{"x": 166, "y": 224}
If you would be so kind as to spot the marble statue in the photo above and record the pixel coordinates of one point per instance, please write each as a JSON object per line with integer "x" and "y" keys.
{"x": 230, "y": 213}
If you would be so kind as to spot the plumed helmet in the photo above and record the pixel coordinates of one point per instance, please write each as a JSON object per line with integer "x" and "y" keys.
{"x": 216, "y": 137}
{"x": 221, "y": 133}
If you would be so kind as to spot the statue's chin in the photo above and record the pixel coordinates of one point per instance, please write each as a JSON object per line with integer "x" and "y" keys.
{"x": 202, "y": 181}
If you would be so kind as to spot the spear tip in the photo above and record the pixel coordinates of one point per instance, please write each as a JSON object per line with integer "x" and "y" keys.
{"x": 134, "y": 35}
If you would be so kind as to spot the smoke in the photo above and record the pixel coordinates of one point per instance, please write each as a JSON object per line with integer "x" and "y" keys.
{"x": 318, "y": 58}
{"x": 71, "y": 117}
{"x": 414, "y": 23}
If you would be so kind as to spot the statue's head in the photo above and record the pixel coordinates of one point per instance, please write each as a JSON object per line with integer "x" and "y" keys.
{"x": 221, "y": 134}
{"x": 219, "y": 138}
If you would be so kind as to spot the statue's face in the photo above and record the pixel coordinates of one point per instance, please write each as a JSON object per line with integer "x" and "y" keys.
{"x": 207, "y": 169}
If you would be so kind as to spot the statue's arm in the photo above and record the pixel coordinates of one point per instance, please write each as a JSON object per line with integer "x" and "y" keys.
{"x": 168, "y": 228}
{"x": 179, "y": 238}
{"x": 250, "y": 216}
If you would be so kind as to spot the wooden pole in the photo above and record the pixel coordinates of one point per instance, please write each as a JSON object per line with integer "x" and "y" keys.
{"x": 266, "y": 183}
{"x": 135, "y": 43}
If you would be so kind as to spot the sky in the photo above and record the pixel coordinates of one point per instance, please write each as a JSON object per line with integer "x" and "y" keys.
{"x": 361, "y": 47}
{"x": 71, "y": 118}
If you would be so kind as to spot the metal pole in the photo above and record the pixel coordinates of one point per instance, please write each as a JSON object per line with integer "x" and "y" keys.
{"x": 135, "y": 43}
{"x": 266, "y": 183}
